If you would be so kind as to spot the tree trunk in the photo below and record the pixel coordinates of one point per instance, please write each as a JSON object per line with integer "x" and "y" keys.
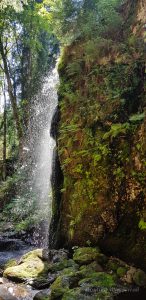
{"x": 12, "y": 97}
{"x": 4, "y": 137}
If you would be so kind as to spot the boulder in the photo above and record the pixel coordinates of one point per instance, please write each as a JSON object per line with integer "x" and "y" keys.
{"x": 62, "y": 285}
{"x": 64, "y": 263}
{"x": 13, "y": 292}
{"x": 42, "y": 282}
{"x": 31, "y": 266}
{"x": 99, "y": 280}
{"x": 89, "y": 269}
{"x": 85, "y": 255}
{"x": 139, "y": 278}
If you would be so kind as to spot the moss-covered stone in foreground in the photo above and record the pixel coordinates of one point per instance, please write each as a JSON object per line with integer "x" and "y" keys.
{"x": 31, "y": 266}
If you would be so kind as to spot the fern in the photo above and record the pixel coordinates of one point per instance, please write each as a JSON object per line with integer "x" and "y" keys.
{"x": 137, "y": 117}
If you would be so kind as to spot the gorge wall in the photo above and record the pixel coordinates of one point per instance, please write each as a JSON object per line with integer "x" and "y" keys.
{"x": 101, "y": 140}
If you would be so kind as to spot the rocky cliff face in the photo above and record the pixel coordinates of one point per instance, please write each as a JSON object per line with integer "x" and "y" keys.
{"x": 101, "y": 141}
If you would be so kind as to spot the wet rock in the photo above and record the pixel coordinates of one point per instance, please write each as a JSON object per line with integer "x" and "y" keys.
{"x": 5, "y": 295}
{"x": 11, "y": 244}
{"x": 42, "y": 283}
{"x": 44, "y": 295}
{"x": 31, "y": 266}
{"x": 58, "y": 255}
{"x": 12, "y": 293}
{"x": 54, "y": 255}
{"x": 85, "y": 255}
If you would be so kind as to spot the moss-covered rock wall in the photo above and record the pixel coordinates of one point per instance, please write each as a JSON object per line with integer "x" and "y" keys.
{"x": 101, "y": 142}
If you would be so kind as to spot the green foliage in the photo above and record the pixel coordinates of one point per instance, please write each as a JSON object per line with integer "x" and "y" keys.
{"x": 73, "y": 19}
{"x": 142, "y": 224}
{"x": 137, "y": 118}
{"x": 16, "y": 4}
{"x": 28, "y": 42}
{"x": 74, "y": 69}
{"x": 117, "y": 129}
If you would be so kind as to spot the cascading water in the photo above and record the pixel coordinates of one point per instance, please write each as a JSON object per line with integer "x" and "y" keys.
{"x": 39, "y": 161}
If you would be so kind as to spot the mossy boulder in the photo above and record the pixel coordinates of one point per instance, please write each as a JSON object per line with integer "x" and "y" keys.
{"x": 31, "y": 266}
{"x": 89, "y": 269}
{"x": 83, "y": 294}
{"x": 62, "y": 285}
{"x": 32, "y": 254}
{"x": 139, "y": 278}
{"x": 59, "y": 287}
{"x": 70, "y": 271}
{"x": 42, "y": 282}
{"x": 99, "y": 279}
{"x": 72, "y": 294}
{"x": 61, "y": 265}
{"x": 86, "y": 255}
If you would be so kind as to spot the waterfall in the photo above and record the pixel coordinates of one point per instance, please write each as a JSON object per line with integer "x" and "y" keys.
{"x": 40, "y": 155}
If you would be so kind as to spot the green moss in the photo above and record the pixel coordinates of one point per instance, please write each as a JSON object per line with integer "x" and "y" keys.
{"x": 85, "y": 255}
{"x": 63, "y": 264}
{"x": 142, "y": 224}
{"x": 59, "y": 287}
{"x": 72, "y": 294}
{"x": 31, "y": 267}
{"x": 121, "y": 271}
{"x": 89, "y": 269}
{"x": 10, "y": 263}
{"x": 99, "y": 280}
{"x": 82, "y": 294}
{"x": 62, "y": 285}
{"x": 112, "y": 265}
{"x": 140, "y": 278}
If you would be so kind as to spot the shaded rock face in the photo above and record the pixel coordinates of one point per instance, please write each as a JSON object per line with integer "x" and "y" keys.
{"x": 57, "y": 182}
{"x": 102, "y": 146}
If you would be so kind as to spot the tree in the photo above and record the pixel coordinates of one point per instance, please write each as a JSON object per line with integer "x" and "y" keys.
{"x": 12, "y": 96}
{"x": 16, "y": 4}
{"x": 4, "y": 134}
{"x": 26, "y": 49}
{"x": 85, "y": 18}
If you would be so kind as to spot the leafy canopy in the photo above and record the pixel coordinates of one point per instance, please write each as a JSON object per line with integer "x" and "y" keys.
{"x": 17, "y": 5}
{"x": 83, "y": 18}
